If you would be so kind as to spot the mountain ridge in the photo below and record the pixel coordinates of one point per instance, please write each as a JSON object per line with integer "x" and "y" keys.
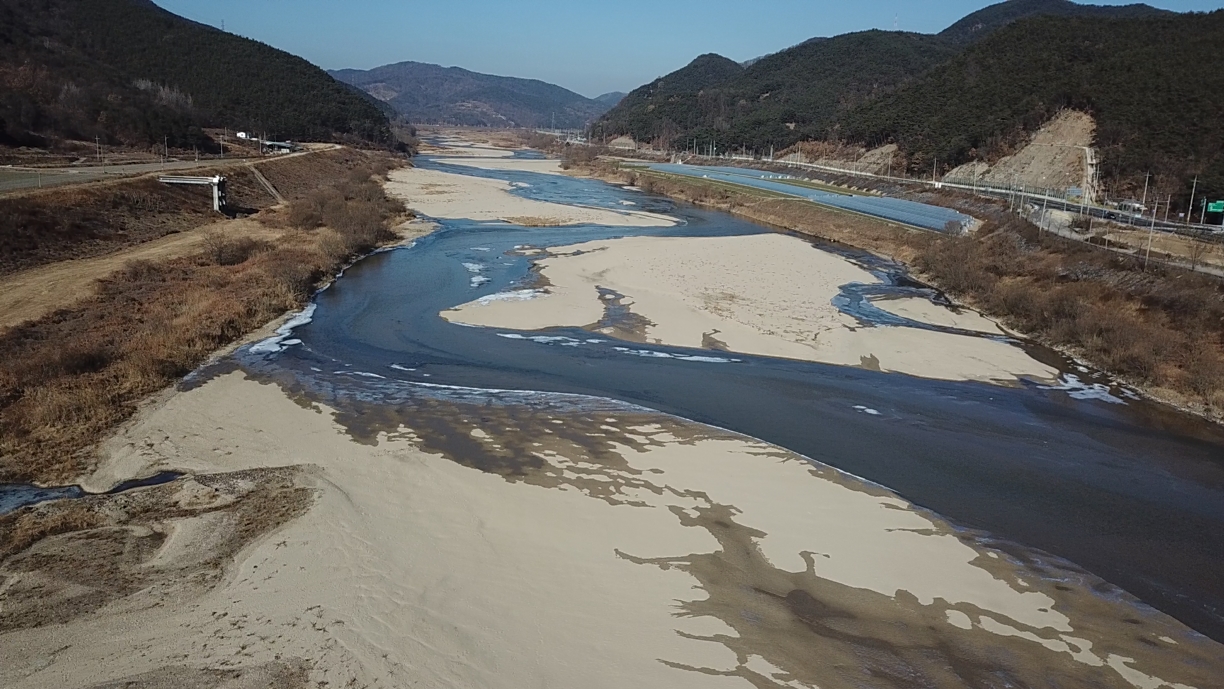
{"x": 838, "y": 90}
{"x": 130, "y": 72}
{"x": 426, "y": 93}
{"x": 981, "y": 23}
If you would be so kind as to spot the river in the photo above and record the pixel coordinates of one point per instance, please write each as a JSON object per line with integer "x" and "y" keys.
{"x": 1130, "y": 490}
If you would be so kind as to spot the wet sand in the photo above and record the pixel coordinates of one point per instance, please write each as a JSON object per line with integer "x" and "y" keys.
{"x": 465, "y": 546}
{"x": 544, "y": 166}
{"x": 764, "y": 294}
{"x": 926, "y": 311}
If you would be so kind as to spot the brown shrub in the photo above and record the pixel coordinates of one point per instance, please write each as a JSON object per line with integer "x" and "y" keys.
{"x": 231, "y": 252}
{"x": 23, "y": 529}
{"x": 304, "y": 214}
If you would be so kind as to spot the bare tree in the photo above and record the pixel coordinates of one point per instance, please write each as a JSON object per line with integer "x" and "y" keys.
{"x": 1200, "y": 247}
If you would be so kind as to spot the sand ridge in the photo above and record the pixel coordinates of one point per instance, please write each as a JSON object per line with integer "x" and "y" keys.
{"x": 766, "y": 294}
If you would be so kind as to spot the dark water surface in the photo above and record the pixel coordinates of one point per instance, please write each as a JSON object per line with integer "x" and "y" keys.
{"x": 1130, "y": 490}
{"x": 14, "y": 496}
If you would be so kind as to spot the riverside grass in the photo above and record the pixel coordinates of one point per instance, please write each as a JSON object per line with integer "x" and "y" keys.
{"x": 72, "y": 376}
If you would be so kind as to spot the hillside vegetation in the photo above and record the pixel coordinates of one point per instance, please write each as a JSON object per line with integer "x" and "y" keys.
{"x": 430, "y": 94}
{"x": 1152, "y": 86}
{"x": 778, "y": 100}
{"x": 986, "y": 20}
{"x": 131, "y": 73}
{"x": 977, "y": 90}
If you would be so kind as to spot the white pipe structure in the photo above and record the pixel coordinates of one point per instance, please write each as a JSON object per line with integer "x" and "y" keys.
{"x": 217, "y": 183}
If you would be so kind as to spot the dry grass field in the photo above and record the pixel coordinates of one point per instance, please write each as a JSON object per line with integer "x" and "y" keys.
{"x": 70, "y": 376}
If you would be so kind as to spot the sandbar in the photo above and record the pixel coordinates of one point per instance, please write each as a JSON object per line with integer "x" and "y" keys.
{"x": 765, "y": 294}
{"x": 544, "y": 166}
{"x": 444, "y": 195}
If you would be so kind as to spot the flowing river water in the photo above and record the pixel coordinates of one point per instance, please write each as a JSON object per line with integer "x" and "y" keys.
{"x": 1131, "y": 490}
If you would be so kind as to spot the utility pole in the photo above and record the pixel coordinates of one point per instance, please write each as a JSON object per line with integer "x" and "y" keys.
{"x": 98, "y": 141}
{"x": 1151, "y": 231}
{"x": 1043, "y": 214}
{"x": 1203, "y": 216}
{"x": 1190, "y": 208}
{"x": 1168, "y": 205}
{"x": 1143, "y": 203}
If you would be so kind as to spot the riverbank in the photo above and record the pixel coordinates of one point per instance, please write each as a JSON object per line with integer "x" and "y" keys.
{"x": 71, "y": 376}
{"x": 1158, "y": 331}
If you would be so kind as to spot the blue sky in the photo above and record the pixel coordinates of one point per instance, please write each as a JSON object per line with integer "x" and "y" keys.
{"x": 589, "y": 47}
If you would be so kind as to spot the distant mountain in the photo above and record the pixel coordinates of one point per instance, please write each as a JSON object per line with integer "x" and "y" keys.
{"x": 981, "y": 23}
{"x": 611, "y": 99}
{"x": 1152, "y": 85}
{"x": 431, "y": 94}
{"x": 799, "y": 93}
{"x": 781, "y": 98}
{"x": 129, "y": 72}
{"x": 1149, "y": 77}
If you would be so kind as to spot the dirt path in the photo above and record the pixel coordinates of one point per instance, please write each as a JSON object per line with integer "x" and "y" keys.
{"x": 33, "y": 293}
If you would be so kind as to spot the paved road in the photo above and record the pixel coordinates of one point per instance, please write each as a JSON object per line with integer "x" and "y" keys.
{"x": 21, "y": 178}
{"x": 15, "y": 178}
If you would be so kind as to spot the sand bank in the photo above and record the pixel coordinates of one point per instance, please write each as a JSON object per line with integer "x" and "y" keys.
{"x": 926, "y": 311}
{"x": 767, "y": 294}
{"x": 445, "y": 195}
{"x": 545, "y": 166}
{"x": 619, "y": 549}
{"x": 458, "y": 146}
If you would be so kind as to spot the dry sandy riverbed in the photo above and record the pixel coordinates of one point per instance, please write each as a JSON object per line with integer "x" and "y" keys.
{"x": 611, "y": 548}
{"x": 450, "y": 196}
{"x": 766, "y": 294}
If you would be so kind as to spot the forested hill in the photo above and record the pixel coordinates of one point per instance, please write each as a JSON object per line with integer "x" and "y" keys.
{"x": 671, "y": 104}
{"x": 800, "y": 93}
{"x": 981, "y": 23}
{"x": 130, "y": 72}
{"x": 779, "y": 99}
{"x": 1150, "y": 78}
{"x": 1153, "y": 85}
{"x": 611, "y": 98}
{"x": 432, "y": 94}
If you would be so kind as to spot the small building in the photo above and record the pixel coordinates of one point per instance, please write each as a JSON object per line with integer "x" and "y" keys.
{"x": 280, "y": 146}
